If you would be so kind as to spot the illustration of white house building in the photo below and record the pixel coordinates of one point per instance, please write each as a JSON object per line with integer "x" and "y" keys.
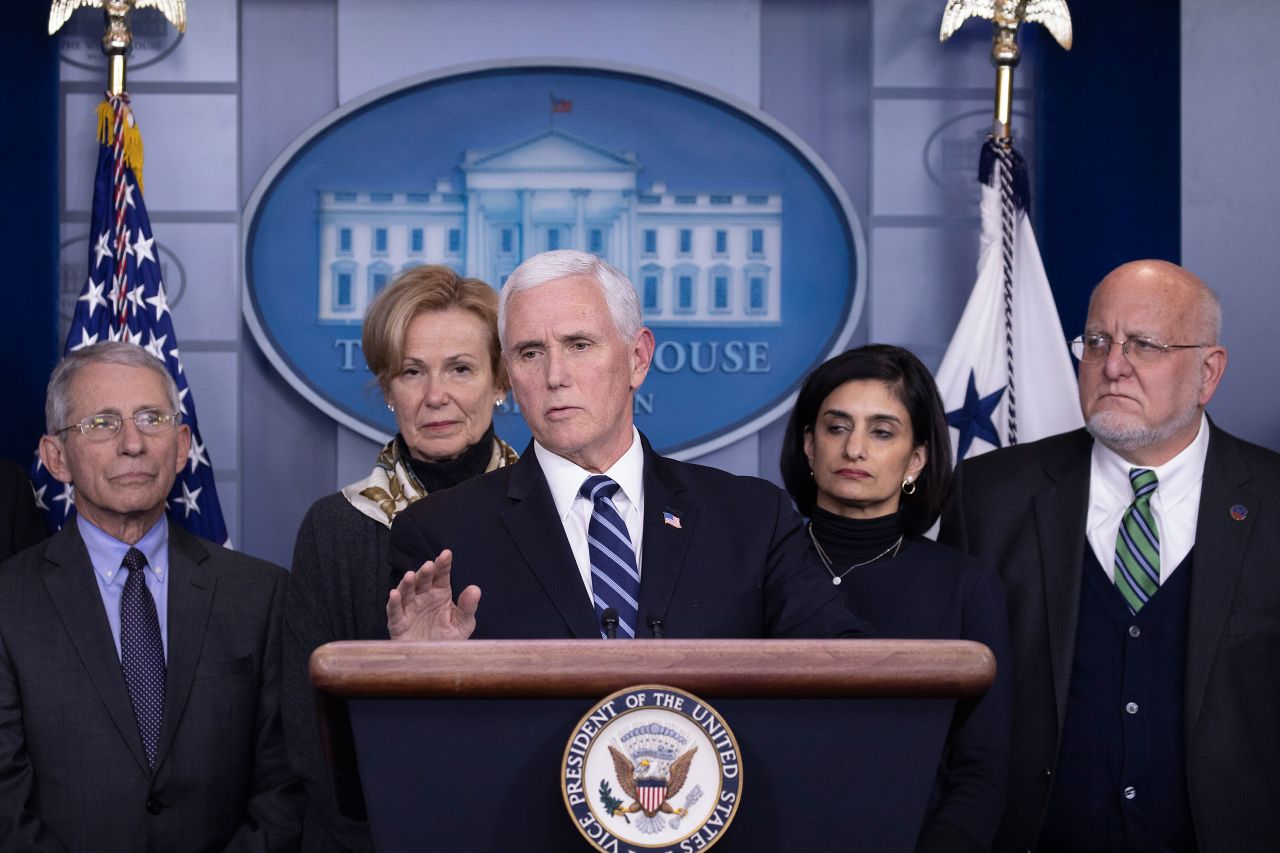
{"x": 699, "y": 258}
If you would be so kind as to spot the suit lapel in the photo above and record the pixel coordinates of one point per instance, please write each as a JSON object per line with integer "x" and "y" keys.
{"x": 665, "y": 544}
{"x": 68, "y": 576}
{"x": 190, "y": 597}
{"x": 1061, "y": 513}
{"x": 1216, "y": 562}
{"x": 538, "y": 534}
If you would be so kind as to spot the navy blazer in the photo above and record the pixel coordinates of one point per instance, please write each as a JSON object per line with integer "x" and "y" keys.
{"x": 738, "y": 565}
{"x": 73, "y": 775}
{"x": 1024, "y": 510}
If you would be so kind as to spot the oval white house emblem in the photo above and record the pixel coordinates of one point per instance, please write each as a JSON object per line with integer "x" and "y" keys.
{"x": 654, "y": 768}
{"x": 745, "y": 252}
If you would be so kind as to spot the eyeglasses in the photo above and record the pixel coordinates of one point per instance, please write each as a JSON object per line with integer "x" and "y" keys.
{"x": 1139, "y": 350}
{"x": 105, "y": 426}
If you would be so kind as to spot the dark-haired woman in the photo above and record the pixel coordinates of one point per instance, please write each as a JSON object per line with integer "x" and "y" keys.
{"x": 867, "y": 457}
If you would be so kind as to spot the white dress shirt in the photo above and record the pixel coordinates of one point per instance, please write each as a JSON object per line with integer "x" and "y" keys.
{"x": 1175, "y": 504}
{"x": 565, "y": 479}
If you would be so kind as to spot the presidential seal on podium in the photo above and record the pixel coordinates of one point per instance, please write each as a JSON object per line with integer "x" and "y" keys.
{"x": 654, "y": 768}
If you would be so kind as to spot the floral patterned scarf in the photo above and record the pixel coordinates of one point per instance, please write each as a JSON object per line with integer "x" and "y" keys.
{"x": 392, "y": 486}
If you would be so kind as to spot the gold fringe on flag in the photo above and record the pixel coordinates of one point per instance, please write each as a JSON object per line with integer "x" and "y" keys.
{"x": 132, "y": 137}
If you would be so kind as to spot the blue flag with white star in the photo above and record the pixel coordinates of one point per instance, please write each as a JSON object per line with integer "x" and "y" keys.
{"x": 124, "y": 300}
{"x": 1007, "y": 375}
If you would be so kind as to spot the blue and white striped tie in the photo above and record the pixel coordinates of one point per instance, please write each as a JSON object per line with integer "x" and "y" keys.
{"x": 615, "y": 580}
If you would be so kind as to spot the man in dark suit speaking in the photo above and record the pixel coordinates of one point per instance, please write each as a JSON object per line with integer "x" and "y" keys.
{"x": 139, "y": 665}
{"x": 592, "y": 533}
{"x": 1142, "y": 562}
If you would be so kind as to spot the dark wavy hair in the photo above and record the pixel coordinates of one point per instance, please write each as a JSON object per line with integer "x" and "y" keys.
{"x": 915, "y": 389}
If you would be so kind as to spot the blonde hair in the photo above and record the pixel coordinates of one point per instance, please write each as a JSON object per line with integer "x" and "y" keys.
{"x": 421, "y": 289}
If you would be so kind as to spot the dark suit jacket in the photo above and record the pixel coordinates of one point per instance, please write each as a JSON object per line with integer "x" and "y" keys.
{"x": 20, "y": 523}
{"x": 1024, "y": 509}
{"x": 739, "y": 564}
{"x": 73, "y": 775}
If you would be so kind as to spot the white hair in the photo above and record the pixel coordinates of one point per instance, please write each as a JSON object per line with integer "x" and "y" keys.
{"x": 619, "y": 292}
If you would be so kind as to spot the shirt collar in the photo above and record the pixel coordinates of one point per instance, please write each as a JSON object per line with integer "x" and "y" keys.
{"x": 107, "y": 552}
{"x": 565, "y": 478}
{"x": 1177, "y": 477}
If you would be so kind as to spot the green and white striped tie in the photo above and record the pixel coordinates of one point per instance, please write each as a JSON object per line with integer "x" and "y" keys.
{"x": 1138, "y": 543}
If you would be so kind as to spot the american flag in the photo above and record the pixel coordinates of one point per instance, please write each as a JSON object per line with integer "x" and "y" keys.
{"x": 124, "y": 300}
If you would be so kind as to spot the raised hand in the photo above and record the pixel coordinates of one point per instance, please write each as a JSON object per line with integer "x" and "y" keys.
{"x": 421, "y": 607}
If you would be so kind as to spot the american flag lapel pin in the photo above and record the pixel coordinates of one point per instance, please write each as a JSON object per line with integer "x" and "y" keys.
{"x": 669, "y": 517}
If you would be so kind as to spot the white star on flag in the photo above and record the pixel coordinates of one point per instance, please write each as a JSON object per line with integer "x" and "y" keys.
{"x": 135, "y": 296}
{"x": 177, "y": 358}
{"x": 142, "y": 248}
{"x": 197, "y": 455}
{"x": 67, "y": 498}
{"x": 102, "y": 249}
{"x": 182, "y": 400}
{"x": 93, "y": 295}
{"x": 85, "y": 339}
{"x": 160, "y": 302}
{"x": 190, "y": 500}
{"x": 39, "y": 496}
{"x": 156, "y": 347}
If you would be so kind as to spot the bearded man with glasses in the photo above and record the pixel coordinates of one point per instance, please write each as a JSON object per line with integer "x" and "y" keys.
{"x": 139, "y": 664}
{"x": 1140, "y": 559}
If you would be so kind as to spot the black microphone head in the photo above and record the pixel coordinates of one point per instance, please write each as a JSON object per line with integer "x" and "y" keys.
{"x": 655, "y": 627}
{"x": 609, "y": 620}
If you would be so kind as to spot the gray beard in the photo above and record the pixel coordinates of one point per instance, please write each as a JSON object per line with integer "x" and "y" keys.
{"x": 1120, "y": 434}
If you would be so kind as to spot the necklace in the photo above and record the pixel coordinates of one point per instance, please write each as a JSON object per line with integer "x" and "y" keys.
{"x": 826, "y": 561}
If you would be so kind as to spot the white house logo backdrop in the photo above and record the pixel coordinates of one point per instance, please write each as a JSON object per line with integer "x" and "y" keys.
{"x": 652, "y": 767}
{"x": 745, "y": 253}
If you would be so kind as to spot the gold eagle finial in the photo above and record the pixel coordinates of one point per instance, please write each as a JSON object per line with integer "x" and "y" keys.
{"x": 1008, "y": 14}
{"x": 117, "y": 41}
{"x": 175, "y": 11}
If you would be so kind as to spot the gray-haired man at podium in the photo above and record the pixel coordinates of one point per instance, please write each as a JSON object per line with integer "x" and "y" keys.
{"x": 592, "y": 533}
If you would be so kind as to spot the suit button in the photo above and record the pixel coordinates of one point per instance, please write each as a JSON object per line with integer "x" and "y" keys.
{"x": 1135, "y": 631}
{"x": 1130, "y": 793}
{"x": 1131, "y": 708}
{"x": 1048, "y": 774}
{"x": 154, "y": 806}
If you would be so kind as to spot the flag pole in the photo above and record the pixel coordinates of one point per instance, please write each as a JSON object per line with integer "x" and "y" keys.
{"x": 1006, "y": 16}
{"x": 117, "y": 40}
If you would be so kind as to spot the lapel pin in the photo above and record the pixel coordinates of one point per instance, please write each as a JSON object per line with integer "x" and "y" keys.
{"x": 674, "y": 520}
{"x": 1239, "y": 512}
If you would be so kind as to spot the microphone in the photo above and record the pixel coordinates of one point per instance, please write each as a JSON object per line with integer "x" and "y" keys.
{"x": 655, "y": 628}
{"x": 609, "y": 619}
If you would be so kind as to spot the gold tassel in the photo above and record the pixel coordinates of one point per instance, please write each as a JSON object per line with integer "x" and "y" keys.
{"x": 132, "y": 137}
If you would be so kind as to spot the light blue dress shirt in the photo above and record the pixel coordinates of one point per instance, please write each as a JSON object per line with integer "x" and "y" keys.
{"x": 107, "y": 553}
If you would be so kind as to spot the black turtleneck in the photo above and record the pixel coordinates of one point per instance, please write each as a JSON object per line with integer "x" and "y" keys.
{"x": 854, "y": 540}
{"x": 435, "y": 476}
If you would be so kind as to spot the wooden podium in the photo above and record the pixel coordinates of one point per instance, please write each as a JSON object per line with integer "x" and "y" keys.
{"x": 458, "y": 746}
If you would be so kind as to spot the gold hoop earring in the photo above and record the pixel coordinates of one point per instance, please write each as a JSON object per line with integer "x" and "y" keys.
{"x": 908, "y": 482}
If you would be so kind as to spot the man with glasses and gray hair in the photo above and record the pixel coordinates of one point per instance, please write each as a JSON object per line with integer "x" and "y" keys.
{"x": 1140, "y": 559}
{"x": 139, "y": 664}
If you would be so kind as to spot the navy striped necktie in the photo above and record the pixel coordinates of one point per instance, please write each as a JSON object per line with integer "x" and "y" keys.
{"x": 1138, "y": 543}
{"x": 615, "y": 579}
{"x": 142, "y": 653}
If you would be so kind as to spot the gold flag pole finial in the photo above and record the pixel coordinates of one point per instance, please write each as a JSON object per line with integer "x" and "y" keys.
{"x": 1006, "y": 15}
{"x": 117, "y": 41}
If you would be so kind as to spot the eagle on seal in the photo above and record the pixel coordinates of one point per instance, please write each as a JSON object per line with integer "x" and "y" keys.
{"x": 649, "y": 786}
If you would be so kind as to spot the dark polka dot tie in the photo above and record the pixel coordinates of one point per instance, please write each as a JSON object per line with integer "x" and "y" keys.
{"x": 142, "y": 652}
